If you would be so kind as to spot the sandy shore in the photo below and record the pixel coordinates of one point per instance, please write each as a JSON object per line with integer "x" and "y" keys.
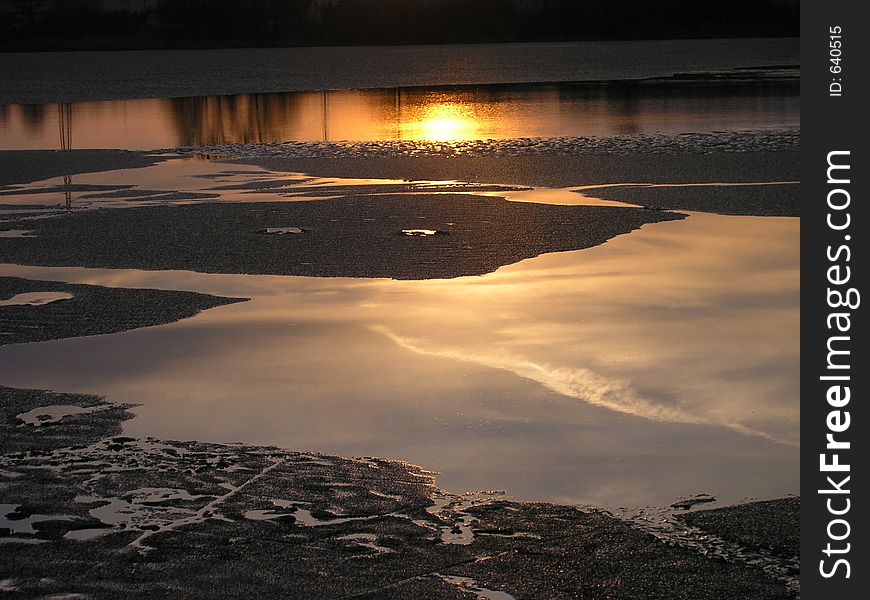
{"x": 210, "y": 520}
{"x": 351, "y": 236}
{"x": 772, "y": 525}
{"x": 557, "y": 171}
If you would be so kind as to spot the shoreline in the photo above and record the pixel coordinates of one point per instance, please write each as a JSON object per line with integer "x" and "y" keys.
{"x": 752, "y": 157}
{"x": 162, "y": 513}
{"x": 84, "y": 310}
{"x": 410, "y": 534}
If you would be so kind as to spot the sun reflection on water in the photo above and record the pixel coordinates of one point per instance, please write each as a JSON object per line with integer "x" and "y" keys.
{"x": 444, "y": 122}
{"x": 448, "y": 116}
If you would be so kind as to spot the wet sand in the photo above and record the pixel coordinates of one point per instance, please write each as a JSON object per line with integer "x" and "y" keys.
{"x": 555, "y": 171}
{"x": 91, "y": 310}
{"x": 745, "y": 164}
{"x": 649, "y": 163}
{"x": 209, "y": 519}
{"x": 351, "y": 236}
{"x": 772, "y": 525}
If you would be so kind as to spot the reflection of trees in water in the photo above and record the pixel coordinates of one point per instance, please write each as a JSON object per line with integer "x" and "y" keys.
{"x": 268, "y": 118}
{"x": 249, "y": 118}
{"x": 64, "y": 125}
{"x": 624, "y": 109}
{"x": 33, "y": 117}
{"x": 64, "y": 129}
{"x": 466, "y": 112}
{"x": 635, "y": 107}
{"x": 500, "y": 111}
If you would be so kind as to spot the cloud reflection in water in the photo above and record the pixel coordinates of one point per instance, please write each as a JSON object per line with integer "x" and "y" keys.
{"x": 643, "y": 364}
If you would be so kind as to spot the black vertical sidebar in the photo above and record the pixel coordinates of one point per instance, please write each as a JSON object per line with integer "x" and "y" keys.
{"x": 835, "y": 370}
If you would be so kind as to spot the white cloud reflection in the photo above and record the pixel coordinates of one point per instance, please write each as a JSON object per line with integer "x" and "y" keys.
{"x": 581, "y": 384}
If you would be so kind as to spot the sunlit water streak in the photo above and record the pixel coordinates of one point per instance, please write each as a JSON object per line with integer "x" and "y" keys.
{"x": 195, "y": 179}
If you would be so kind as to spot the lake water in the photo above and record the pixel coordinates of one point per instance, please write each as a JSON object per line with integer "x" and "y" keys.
{"x": 405, "y": 114}
{"x": 45, "y": 77}
{"x": 629, "y": 374}
{"x": 149, "y": 100}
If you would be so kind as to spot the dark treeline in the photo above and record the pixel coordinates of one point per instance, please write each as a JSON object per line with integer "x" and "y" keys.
{"x": 85, "y": 24}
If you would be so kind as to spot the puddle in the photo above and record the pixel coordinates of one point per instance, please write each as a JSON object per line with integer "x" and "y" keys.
{"x": 190, "y": 179}
{"x": 185, "y": 180}
{"x": 306, "y": 519}
{"x": 470, "y": 585}
{"x": 366, "y": 540}
{"x": 153, "y": 495}
{"x": 383, "y": 495}
{"x": 451, "y": 509}
{"x": 281, "y": 230}
{"x": 14, "y": 522}
{"x": 423, "y": 232}
{"x": 570, "y": 196}
{"x": 36, "y": 298}
{"x": 690, "y": 503}
{"x": 52, "y": 414}
{"x": 265, "y": 515}
{"x": 517, "y": 534}
{"x": 86, "y": 535}
{"x": 148, "y": 511}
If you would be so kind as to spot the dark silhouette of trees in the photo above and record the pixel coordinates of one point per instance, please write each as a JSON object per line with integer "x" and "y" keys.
{"x": 46, "y": 24}
{"x": 32, "y": 24}
{"x": 402, "y": 22}
{"x": 254, "y": 22}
